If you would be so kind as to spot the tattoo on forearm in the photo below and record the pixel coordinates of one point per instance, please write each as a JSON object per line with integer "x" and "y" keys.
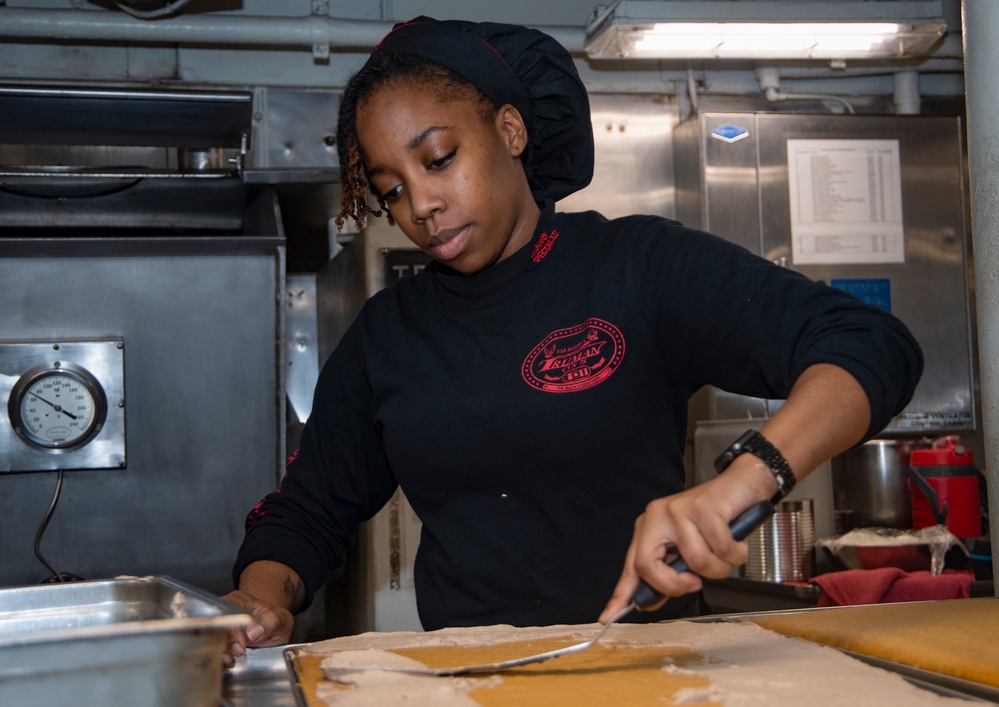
{"x": 295, "y": 591}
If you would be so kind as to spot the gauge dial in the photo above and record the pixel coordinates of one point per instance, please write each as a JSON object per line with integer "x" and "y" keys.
{"x": 56, "y": 407}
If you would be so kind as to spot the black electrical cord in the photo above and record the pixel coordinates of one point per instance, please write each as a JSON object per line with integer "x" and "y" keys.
{"x": 109, "y": 191}
{"x": 168, "y": 8}
{"x": 56, "y": 575}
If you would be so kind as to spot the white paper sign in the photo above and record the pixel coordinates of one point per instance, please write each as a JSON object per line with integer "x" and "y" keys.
{"x": 846, "y": 201}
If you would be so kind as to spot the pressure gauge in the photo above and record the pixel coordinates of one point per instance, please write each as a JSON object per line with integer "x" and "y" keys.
{"x": 57, "y": 406}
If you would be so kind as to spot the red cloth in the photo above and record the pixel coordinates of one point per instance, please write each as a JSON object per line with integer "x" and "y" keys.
{"x": 890, "y": 584}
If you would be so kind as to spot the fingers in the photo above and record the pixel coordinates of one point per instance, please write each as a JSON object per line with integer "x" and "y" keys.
{"x": 647, "y": 559}
{"x": 670, "y": 529}
{"x": 701, "y": 537}
{"x": 235, "y": 642}
{"x": 625, "y": 587}
{"x": 656, "y": 543}
{"x": 272, "y": 626}
{"x": 693, "y": 525}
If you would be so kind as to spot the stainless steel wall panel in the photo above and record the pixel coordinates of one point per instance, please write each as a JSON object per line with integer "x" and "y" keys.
{"x": 201, "y": 331}
{"x": 340, "y": 292}
{"x": 687, "y": 174}
{"x": 302, "y": 344}
{"x": 633, "y": 172}
{"x": 711, "y": 172}
{"x": 294, "y": 139}
{"x": 730, "y": 178}
{"x": 933, "y": 210}
{"x": 744, "y": 197}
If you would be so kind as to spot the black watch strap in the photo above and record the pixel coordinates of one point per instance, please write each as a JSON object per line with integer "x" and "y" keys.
{"x": 756, "y": 444}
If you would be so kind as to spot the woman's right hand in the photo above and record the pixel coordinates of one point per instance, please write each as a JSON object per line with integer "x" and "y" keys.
{"x": 268, "y": 591}
{"x": 271, "y": 626}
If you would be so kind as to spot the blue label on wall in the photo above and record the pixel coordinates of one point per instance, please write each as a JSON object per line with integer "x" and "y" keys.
{"x": 729, "y": 133}
{"x": 876, "y": 291}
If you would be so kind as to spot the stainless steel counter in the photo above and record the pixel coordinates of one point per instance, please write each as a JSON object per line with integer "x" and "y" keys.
{"x": 259, "y": 679}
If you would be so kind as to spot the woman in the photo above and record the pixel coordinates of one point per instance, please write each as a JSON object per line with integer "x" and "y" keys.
{"x": 528, "y": 390}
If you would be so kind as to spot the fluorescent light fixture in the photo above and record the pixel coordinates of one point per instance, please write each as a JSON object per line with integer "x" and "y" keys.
{"x": 764, "y": 29}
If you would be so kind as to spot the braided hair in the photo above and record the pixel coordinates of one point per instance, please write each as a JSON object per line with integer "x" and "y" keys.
{"x": 444, "y": 84}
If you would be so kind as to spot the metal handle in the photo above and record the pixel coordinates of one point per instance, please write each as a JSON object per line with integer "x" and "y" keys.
{"x": 745, "y": 523}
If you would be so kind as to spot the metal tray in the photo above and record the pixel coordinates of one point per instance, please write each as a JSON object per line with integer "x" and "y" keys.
{"x": 290, "y": 654}
{"x": 136, "y": 641}
{"x": 938, "y": 683}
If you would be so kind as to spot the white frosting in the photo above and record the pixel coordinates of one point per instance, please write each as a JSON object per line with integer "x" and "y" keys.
{"x": 370, "y": 684}
{"x": 746, "y": 665}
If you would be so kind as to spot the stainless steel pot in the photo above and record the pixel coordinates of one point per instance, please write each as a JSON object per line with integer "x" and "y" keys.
{"x": 869, "y": 489}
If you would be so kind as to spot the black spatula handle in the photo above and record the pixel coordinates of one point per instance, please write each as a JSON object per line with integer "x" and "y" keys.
{"x": 744, "y": 524}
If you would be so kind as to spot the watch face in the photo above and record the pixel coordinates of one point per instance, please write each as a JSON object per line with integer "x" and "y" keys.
{"x": 735, "y": 449}
{"x": 57, "y": 407}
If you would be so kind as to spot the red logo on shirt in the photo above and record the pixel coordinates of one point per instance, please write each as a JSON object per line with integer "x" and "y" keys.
{"x": 543, "y": 245}
{"x": 576, "y": 358}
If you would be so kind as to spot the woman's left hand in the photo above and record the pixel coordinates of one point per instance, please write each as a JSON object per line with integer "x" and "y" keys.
{"x": 694, "y": 525}
{"x": 826, "y": 413}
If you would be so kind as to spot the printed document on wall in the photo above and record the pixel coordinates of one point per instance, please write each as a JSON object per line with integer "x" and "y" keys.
{"x": 846, "y": 201}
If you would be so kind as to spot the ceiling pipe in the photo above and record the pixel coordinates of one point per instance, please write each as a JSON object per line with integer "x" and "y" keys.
{"x": 769, "y": 80}
{"x": 907, "y": 98}
{"x": 320, "y": 33}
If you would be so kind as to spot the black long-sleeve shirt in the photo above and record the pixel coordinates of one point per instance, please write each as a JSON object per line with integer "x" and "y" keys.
{"x": 532, "y": 410}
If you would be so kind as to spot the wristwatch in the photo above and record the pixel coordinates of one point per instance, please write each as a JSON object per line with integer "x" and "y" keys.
{"x": 753, "y": 442}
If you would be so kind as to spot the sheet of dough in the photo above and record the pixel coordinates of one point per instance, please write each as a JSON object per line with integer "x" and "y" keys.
{"x": 957, "y": 637}
{"x": 675, "y": 663}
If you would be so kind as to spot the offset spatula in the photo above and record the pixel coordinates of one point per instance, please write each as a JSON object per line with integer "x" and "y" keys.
{"x": 644, "y": 597}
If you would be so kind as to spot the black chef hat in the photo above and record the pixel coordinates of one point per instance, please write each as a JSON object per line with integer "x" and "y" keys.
{"x": 525, "y": 68}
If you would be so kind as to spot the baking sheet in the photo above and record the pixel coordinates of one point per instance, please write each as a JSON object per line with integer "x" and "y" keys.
{"x": 296, "y": 680}
{"x": 939, "y": 683}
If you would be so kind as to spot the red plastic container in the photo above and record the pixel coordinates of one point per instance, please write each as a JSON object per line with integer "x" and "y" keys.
{"x": 943, "y": 483}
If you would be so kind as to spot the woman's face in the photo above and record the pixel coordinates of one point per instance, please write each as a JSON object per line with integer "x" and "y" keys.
{"x": 452, "y": 180}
